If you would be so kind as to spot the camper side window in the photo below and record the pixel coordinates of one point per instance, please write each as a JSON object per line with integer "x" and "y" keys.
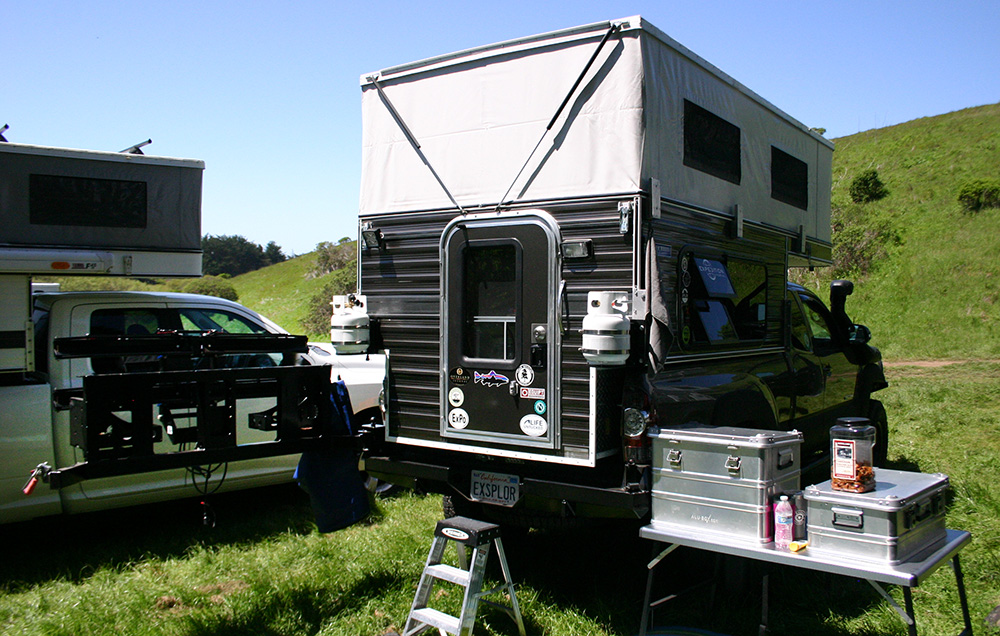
{"x": 489, "y": 301}
{"x": 726, "y": 301}
{"x": 711, "y": 144}
{"x": 789, "y": 179}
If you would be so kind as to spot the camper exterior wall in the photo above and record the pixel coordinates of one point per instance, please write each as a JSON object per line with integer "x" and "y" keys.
{"x": 101, "y": 202}
{"x": 623, "y": 128}
{"x": 403, "y": 285}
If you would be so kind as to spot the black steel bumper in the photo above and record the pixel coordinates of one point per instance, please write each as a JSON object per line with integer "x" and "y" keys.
{"x": 435, "y": 477}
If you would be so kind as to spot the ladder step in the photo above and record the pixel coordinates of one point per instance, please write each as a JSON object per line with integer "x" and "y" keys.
{"x": 435, "y": 618}
{"x": 449, "y": 573}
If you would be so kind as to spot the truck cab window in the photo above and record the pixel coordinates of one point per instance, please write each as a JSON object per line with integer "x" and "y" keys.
{"x": 820, "y": 326}
{"x": 194, "y": 319}
{"x": 489, "y": 301}
{"x": 799, "y": 328}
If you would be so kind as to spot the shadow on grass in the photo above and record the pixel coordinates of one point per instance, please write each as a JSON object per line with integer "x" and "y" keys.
{"x": 298, "y": 611}
{"x": 607, "y": 583}
{"x": 72, "y": 547}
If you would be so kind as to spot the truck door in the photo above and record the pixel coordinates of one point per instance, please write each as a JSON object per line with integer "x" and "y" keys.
{"x": 499, "y": 335}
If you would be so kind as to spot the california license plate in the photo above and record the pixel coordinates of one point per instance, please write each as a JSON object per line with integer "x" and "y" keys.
{"x": 495, "y": 488}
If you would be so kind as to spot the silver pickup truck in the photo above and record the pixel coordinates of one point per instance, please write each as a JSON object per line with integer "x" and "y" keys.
{"x": 36, "y": 409}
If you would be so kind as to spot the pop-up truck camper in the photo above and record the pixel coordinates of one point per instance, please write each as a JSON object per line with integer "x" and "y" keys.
{"x": 110, "y": 396}
{"x": 575, "y": 240}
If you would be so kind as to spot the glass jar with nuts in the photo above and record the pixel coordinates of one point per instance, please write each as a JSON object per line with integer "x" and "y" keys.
{"x": 851, "y": 443}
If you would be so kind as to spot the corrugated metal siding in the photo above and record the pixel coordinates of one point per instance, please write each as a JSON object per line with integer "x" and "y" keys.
{"x": 402, "y": 283}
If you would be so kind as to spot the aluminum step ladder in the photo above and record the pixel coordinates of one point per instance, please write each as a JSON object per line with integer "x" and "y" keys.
{"x": 479, "y": 536}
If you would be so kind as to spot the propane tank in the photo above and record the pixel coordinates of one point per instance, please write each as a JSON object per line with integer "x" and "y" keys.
{"x": 349, "y": 324}
{"x": 606, "y": 340}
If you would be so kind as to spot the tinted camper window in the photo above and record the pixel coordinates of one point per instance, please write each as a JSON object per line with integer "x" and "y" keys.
{"x": 79, "y": 202}
{"x": 726, "y": 300}
{"x": 789, "y": 179}
{"x": 711, "y": 144}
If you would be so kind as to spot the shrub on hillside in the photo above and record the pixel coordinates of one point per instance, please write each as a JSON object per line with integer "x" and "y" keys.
{"x": 210, "y": 286}
{"x": 333, "y": 256}
{"x": 342, "y": 281}
{"x": 978, "y": 194}
{"x": 867, "y": 187}
{"x": 860, "y": 241}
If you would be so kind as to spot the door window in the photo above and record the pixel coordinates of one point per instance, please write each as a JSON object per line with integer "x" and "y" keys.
{"x": 800, "y": 330}
{"x": 816, "y": 316}
{"x": 196, "y": 319}
{"x": 490, "y": 301}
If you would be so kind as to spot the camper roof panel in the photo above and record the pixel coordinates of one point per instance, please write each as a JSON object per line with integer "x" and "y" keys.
{"x": 80, "y": 199}
{"x": 469, "y": 127}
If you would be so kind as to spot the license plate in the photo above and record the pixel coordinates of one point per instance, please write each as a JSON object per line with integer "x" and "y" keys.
{"x": 495, "y": 488}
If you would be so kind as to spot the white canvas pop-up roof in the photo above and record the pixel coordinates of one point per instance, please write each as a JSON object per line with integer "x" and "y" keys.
{"x": 71, "y": 211}
{"x": 648, "y": 108}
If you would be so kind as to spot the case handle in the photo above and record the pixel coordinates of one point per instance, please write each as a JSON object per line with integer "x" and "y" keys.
{"x": 786, "y": 457}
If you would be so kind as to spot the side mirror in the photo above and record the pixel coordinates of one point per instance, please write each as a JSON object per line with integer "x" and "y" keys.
{"x": 860, "y": 334}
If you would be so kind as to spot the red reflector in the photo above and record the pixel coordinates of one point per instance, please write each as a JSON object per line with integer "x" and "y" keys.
{"x": 60, "y": 265}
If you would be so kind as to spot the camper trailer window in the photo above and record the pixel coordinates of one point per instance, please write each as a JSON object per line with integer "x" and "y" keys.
{"x": 490, "y": 301}
{"x": 789, "y": 179}
{"x": 715, "y": 278}
{"x": 79, "y": 202}
{"x": 727, "y": 302}
{"x": 715, "y": 321}
{"x": 711, "y": 144}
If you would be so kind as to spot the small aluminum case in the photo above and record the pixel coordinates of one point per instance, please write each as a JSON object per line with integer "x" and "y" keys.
{"x": 901, "y": 518}
{"x": 723, "y": 479}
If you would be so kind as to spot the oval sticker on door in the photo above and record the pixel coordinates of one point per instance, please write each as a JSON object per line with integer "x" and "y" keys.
{"x": 534, "y": 426}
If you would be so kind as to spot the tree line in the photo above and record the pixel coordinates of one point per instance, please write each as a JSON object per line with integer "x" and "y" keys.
{"x": 235, "y": 255}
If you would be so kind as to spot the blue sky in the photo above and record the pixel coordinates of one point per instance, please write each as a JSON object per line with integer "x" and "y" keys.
{"x": 267, "y": 93}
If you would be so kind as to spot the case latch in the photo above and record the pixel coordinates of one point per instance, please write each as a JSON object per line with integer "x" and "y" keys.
{"x": 674, "y": 457}
{"x": 733, "y": 465}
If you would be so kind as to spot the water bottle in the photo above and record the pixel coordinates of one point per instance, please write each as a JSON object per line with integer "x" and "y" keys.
{"x": 784, "y": 517}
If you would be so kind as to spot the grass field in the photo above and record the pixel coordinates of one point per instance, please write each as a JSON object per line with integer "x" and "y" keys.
{"x": 265, "y": 570}
{"x": 932, "y": 293}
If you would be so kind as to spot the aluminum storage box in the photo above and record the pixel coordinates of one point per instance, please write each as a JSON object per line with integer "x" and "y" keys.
{"x": 723, "y": 479}
{"x": 901, "y": 518}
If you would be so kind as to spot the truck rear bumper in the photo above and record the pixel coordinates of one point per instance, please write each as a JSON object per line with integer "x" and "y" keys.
{"x": 431, "y": 477}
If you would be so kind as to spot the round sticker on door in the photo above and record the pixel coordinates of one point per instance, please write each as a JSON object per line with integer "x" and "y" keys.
{"x": 456, "y": 397}
{"x": 525, "y": 375}
{"x": 458, "y": 418}
{"x": 534, "y": 426}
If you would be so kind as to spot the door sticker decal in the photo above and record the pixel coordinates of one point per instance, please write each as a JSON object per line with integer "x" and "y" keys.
{"x": 491, "y": 379}
{"x": 534, "y": 426}
{"x": 525, "y": 375}
{"x": 458, "y": 418}
{"x": 459, "y": 376}
{"x": 456, "y": 397}
{"x": 529, "y": 393}
{"x": 540, "y": 407}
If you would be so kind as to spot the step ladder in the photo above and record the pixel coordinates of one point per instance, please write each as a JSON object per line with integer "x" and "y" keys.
{"x": 479, "y": 536}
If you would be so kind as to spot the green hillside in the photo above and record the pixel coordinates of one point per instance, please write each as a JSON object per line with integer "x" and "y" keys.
{"x": 287, "y": 292}
{"x": 933, "y": 288}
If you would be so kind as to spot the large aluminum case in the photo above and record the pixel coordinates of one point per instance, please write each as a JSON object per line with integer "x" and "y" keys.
{"x": 901, "y": 518}
{"x": 723, "y": 479}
